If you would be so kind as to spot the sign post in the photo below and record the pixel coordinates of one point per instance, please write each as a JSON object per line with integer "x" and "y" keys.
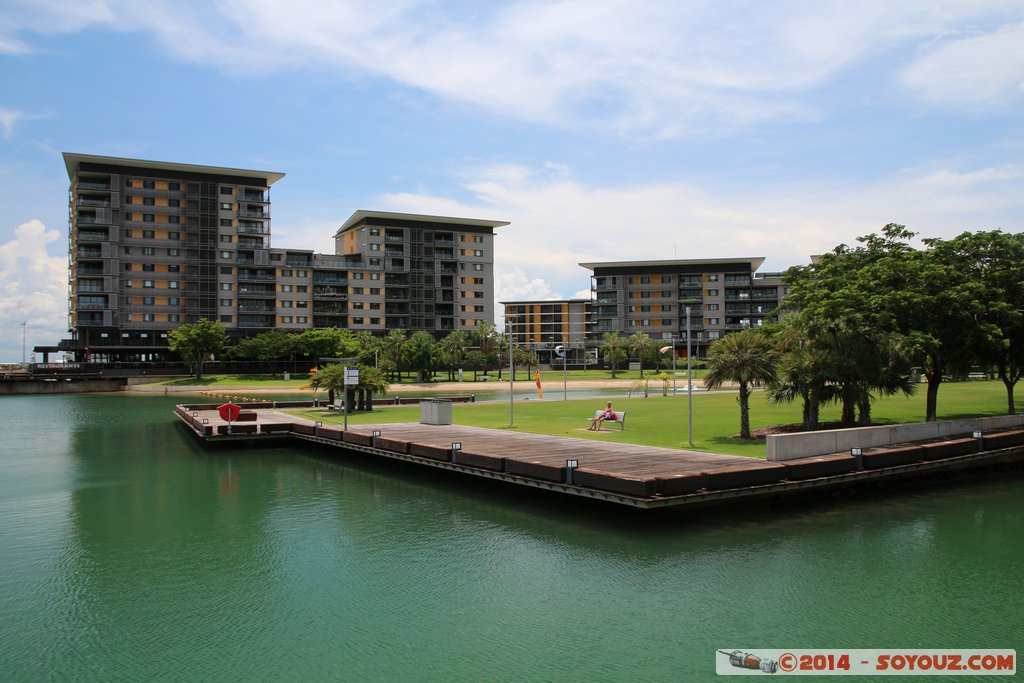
{"x": 229, "y": 413}
{"x": 351, "y": 380}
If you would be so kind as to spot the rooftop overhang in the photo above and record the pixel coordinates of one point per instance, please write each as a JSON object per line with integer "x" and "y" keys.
{"x": 362, "y": 215}
{"x": 73, "y": 161}
{"x": 754, "y": 261}
{"x": 544, "y": 301}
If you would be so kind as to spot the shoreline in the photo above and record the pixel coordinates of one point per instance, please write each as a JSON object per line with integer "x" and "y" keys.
{"x": 447, "y": 387}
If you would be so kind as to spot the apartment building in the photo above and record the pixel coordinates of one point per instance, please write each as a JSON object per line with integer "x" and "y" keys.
{"x": 153, "y": 245}
{"x": 543, "y": 326}
{"x": 721, "y": 295}
{"x": 417, "y": 272}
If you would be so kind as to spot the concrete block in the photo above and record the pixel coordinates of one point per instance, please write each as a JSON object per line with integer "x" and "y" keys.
{"x": 788, "y": 446}
{"x": 1002, "y": 422}
{"x": 917, "y": 431}
{"x": 862, "y": 437}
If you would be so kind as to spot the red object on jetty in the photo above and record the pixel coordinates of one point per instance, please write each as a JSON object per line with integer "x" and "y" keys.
{"x": 229, "y": 412}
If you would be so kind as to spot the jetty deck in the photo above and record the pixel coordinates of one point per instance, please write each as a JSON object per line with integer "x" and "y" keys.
{"x": 634, "y": 475}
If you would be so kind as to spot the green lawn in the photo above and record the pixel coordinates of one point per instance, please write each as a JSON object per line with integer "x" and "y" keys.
{"x": 662, "y": 421}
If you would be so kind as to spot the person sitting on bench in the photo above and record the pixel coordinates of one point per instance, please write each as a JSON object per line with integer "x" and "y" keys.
{"x": 608, "y": 414}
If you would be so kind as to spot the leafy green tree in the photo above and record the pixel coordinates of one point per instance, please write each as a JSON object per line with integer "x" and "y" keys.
{"x": 327, "y": 342}
{"x": 198, "y": 341}
{"x": 613, "y": 350}
{"x": 747, "y": 358}
{"x": 476, "y": 361}
{"x": 371, "y": 381}
{"x": 265, "y": 346}
{"x": 369, "y": 348}
{"x": 330, "y": 378}
{"x": 391, "y": 349}
{"x": 420, "y": 353}
{"x": 500, "y": 350}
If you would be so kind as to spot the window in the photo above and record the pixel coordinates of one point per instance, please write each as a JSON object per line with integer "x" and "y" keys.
{"x": 226, "y": 238}
{"x": 286, "y": 318}
{"x": 173, "y": 252}
{"x": 148, "y": 251}
{"x": 375, "y": 321}
{"x": 173, "y": 268}
{"x": 128, "y": 267}
{"x": 226, "y": 255}
{"x": 226, "y": 206}
{"x": 302, "y": 288}
{"x": 478, "y": 309}
{"x": 226, "y": 270}
{"x": 286, "y": 288}
{"x": 225, "y": 222}
{"x": 127, "y": 232}
{"x": 374, "y": 246}
{"x": 357, "y": 321}
{"x": 711, "y": 307}
{"x": 172, "y": 284}
{"x": 712, "y": 292}
{"x": 148, "y": 234}
{"x": 357, "y": 276}
{"x": 666, "y": 294}
{"x": 226, "y": 286}
{"x": 478, "y": 266}
{"x": 148, "y": 267}
{"x": 285, "y": 304}
{"x": 148, "y": 284}
{"x": 172, "y": 318}
{"x": 148, "y": 301}
{"x": 227, "y": 190}
{"x": 645, "y": 279}
{"x": 227, "y": 318}
{"x": 128, "y": 199}
{"x": 148, "y": 201}
{"x": 302, "y": 319}
{"x": 174, "y": 202}
{"x": 173, "y": 301}
{"x": 128, "y": 284}
{"x": 478, "y": 239}
{"x": 174, "y": 235}
{"x": 374, "y": 276}
{"x": 301, "y": 304}
{"x": 375, "y": 232}
{"x": 374, "y": 261}
{"x": 225, "y": 302}
{"x": 357, "y": 290}
{"x": 286, "y": 272}
{"x": 665, "y": 279}
{"x": 303, "y": 273}
{"x": 375, "y": 306}
{"x": 712, "y": 278}
{"x": 275, "y": 257}
{"x": 148, "y": 184}
{"x": 375, "y": 290}
{"x": 174, "y": 220}
{"x": 148, "y": 218}
{"x": 127, "y": 250}
{"x": 147, "y": 317}
{"x": 175, "y": 187}
{"x": 712, "y": 321}
{"x": 127, "y": 183}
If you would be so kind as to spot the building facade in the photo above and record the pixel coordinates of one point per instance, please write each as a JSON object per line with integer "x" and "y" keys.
{"x": 153, "y": 245}
{"x": 721, "y": 295}
{"x": 542, "y": 326}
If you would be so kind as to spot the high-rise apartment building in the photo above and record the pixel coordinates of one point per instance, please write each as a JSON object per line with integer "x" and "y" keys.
{"x": 153, "y": 245}
{"x": 722, "y": 295}
{"x": 543, "y": 326}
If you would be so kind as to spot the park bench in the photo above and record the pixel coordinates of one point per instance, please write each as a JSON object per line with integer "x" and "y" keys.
{"x": 619, "y": 414}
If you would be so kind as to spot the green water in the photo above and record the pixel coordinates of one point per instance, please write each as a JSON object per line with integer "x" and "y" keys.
{"x": 128, "y": 552}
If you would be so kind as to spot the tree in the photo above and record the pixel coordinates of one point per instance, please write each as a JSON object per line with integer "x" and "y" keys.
{"x": 198, "y": 341}
{"x": 327, "y": 342}
{"x": 331, "y": 378}
{"x": 391, "y": 349}
{"x": 642, "y": 346}
{"x": 371, "y": 381}
{"x": 613, "y": 349}
{"x": 748, "y": 358}
{"x": 420, "y": 353}
{"x": 454, "y": 348}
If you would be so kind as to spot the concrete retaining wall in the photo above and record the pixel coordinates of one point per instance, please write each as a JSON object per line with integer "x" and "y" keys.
{"x": 790, "y": 446}
{"x": 60, "y": 386}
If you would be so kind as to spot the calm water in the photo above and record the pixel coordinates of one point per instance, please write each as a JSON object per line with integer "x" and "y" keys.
{"x": 127, "y": 552}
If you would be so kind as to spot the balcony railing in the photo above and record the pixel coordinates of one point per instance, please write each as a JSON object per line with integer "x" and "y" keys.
{"x": 250, "y": 213}
{"x": 85, "y": 185}
{"x": 93, "y": 202}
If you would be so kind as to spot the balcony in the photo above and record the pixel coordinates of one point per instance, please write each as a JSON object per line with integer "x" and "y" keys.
{"x": 256, "y": 291}
{"x": 252, "y": 229}
{"x": 87, "y": 185}
{"x": 86, "y": 236}
{"x": 255, "y": 275}
{"x": 255, "y": 308}
{"x": 89, "y": 286}
{"x": 93, "y": 202}
{"x": 90, "y": 253}
{"x": 250, "y": 244}
{"x": 255, "y": 197}
{"x": 394, "y": 238}
{"x": 737, "y": 280}
{"x": 253, "y": 213}
{"x": 83, "y": 269}
{"x": 300, "y": 261}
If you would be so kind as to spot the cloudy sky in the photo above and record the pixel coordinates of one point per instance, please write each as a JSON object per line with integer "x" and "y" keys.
{"x": 602, "y": 129}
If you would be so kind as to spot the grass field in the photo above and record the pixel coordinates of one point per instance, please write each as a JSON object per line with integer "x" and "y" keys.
{"x": 662, "y": 421}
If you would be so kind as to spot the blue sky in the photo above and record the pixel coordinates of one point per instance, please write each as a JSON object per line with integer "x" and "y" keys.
{"x": 603, "y": 130}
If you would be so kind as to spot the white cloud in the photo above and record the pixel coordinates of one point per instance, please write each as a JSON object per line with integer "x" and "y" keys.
{"x": 8, "y": 117}
{"x": 975, "y": 72}
{"x": 653, "y": 68}
{"x": 34, "y": 290}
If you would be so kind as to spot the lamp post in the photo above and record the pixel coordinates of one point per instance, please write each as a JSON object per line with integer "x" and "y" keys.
{"x": 689, "y": 381}
{"x": 24, "y": 326}
{"x": 511, "y": 373}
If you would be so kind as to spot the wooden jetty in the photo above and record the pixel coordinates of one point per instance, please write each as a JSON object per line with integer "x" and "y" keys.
{"x": 638, "y": 476}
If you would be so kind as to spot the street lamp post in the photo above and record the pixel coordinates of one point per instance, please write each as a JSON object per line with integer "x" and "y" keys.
{"x": 24, "y": 326}
{"x": 689, "y": 381}
{"x": 511, "y": 373}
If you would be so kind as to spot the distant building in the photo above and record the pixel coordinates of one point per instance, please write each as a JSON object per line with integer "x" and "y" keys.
{"x": 543, "y": 326}
{"x": 723, "y": 295}
{"x": 153, "y": 245}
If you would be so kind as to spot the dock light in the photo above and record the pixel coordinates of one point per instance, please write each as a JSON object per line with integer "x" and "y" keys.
{"x": 318, "y": 424}
{"x": 977, "y": 437}
{"x": 206, "y": 420}
{"x": 570, "y": 467}
{"x": 375, "y": 433}
{"x": 858, "y": 454}
{"x": 456, "y": 447}
{"x": 195, "y": 414}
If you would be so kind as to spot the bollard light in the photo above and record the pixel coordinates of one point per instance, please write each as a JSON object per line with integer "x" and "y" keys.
{"x": 858, "y": 454}
{"x": 977, "y": 437}
{"x": 456, "y": 447}
{"x": 570, "y": 467}
{"x": 375, "y": 433}
{"x": 318, "y": 424}
{"x": 206, "y": 420}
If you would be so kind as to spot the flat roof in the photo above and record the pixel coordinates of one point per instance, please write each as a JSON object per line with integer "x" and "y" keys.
{"x": 72, "y": 161}
{"x": 754, "y": 261}
{"x": 363, "y": 214}
{"x": 545, "y": 301}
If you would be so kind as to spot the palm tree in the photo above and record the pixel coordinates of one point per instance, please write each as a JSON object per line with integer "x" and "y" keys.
{"x": 747, "y": 358}
{"x": 330, "y": 377}
{"x": 641, "y": 345}
{"x": 454, "y": 347}
{"x": 613, "y": 348}
{"x": 391, "y": 348}
{"x": 371, "y": 381}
